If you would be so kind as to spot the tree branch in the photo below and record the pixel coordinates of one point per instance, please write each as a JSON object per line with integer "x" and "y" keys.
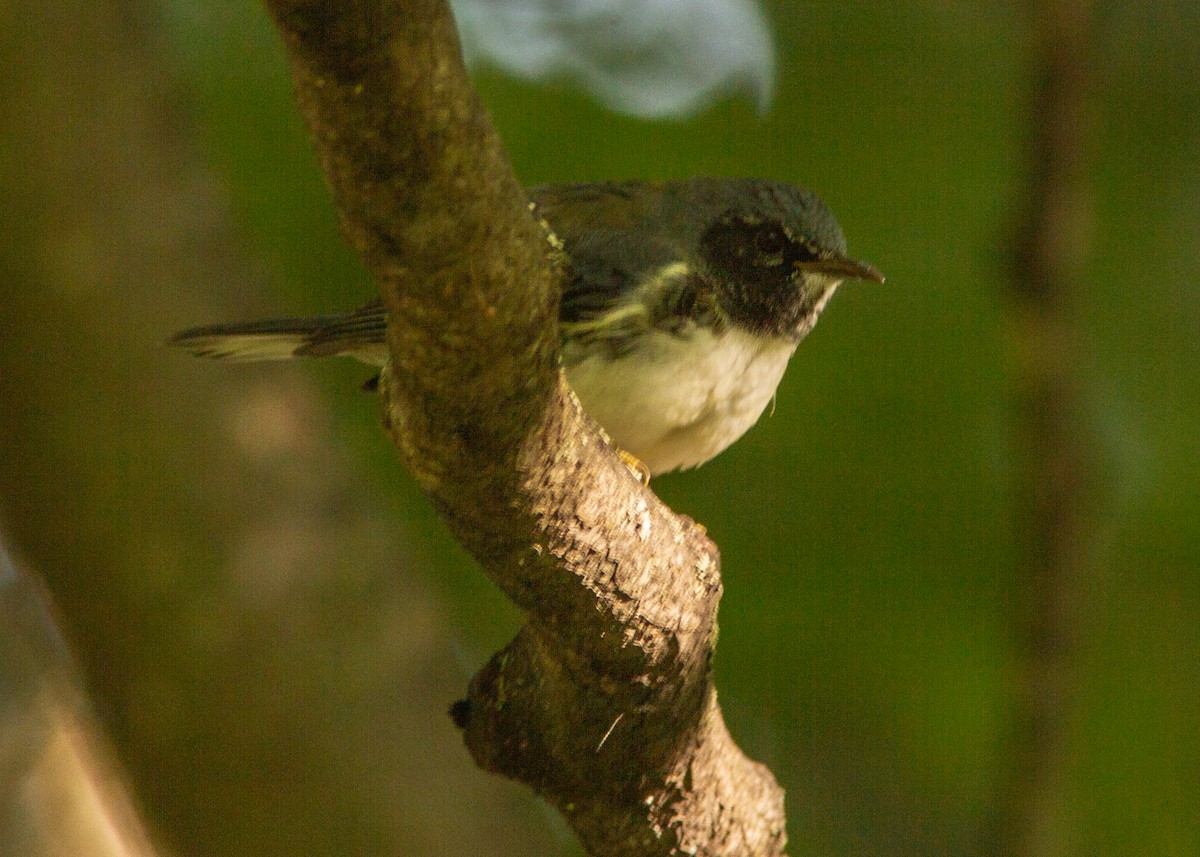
{"x": 61, "y": 792}
{"x": 603, "y": 703}
{"x": 1054, "y": 459}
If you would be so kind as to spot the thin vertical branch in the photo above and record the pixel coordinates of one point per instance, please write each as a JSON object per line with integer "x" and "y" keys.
{"x": 1052, "y": 452}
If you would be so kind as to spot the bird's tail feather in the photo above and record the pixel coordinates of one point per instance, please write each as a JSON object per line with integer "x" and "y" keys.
{"x": 359, "y": 334}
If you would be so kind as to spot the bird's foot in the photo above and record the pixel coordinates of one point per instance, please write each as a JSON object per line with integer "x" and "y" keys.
{"x": 635, "y": 465}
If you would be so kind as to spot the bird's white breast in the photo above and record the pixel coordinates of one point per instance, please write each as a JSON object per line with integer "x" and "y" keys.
{"x": 674, "y": 402}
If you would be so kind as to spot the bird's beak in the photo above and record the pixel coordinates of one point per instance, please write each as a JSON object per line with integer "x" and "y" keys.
{"x": 842, "y": 268}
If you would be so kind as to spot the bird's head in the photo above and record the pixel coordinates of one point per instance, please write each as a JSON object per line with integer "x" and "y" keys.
{"x": 775, "y": 254}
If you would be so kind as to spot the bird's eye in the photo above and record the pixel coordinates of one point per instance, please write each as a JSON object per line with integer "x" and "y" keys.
{"x": 770, "y": 241}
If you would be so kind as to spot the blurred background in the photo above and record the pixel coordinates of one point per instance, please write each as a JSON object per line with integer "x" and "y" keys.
{"x": 269, "y": 620}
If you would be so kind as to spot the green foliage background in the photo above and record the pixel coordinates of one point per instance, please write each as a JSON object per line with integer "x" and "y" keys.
{"x": 866, "y": 531}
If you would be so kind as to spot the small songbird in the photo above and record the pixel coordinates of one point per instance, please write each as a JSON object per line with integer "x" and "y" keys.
{"x": 682, "y": 304}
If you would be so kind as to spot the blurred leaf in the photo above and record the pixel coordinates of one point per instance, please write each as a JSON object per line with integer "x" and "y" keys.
{"x": 666, "y": 58}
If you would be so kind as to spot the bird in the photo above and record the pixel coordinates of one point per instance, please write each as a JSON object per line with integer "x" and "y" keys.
{"x": 682, "y": 304}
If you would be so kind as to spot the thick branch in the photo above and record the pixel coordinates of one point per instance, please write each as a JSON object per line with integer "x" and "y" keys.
{"x": 603, "y": 703}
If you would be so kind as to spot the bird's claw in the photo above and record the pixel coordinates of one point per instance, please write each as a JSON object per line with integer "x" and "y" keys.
{"x": 635, "y": 465}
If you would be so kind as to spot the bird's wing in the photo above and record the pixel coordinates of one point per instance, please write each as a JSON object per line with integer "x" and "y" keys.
{"x": 627, "y": 272}
{"x": 622, "y": 249}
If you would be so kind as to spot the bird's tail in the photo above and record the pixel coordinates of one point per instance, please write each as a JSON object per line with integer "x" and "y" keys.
{"x": 360, "y": 334}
